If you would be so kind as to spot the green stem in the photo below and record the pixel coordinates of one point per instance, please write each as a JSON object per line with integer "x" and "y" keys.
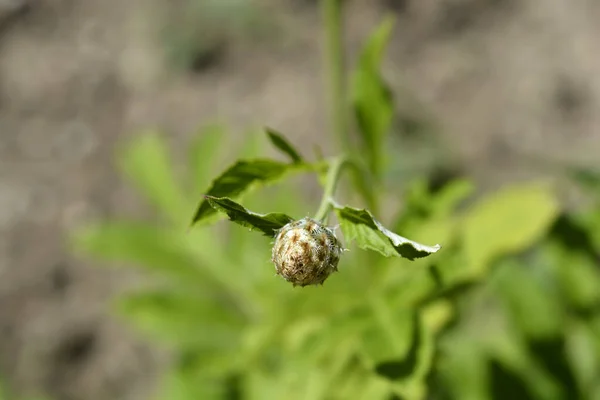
{"x": 334, "y": 62}
{"x": 333, "y": 176}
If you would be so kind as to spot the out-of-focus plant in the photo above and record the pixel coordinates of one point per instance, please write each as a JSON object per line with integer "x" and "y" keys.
{"x": 508, "y": 309}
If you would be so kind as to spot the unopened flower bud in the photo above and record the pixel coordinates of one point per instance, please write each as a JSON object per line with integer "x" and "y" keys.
{"x": 305, "y": 252}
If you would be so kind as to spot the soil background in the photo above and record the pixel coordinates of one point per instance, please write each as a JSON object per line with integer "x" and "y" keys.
{"x": 509, "y": 81}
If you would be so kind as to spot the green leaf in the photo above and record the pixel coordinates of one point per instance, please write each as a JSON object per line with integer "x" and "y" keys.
{"x": 266, "y": 223}
{"x": 147, "y": 163}
{"x": 363, "y": 182}
{"x": 203, "y": 152}
{"x": 174, "y": 316}
{"x": 532, "y": 305}
{"x": 252, "y": 146}
{"x": 393, "y": 367}
{"x": 185, "y": 385}
{"x": 582, "y": 355}
{"x": 507, "y": 221}
{"x": 141, "y": 244}
{"x": 386, "y": 336}
{"x": 239, "y": 179}
{"x": 372, "y": 99}
{"x": 450, "y": 196}
{"x": 282, "y": 144}
{"x": 370, "y": 234}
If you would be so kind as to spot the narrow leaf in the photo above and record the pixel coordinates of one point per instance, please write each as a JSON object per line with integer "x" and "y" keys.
{"x": 282, "y": 144}
{"x": 370, "y": 234}
{"x": 266, "y": 223}
{"x": 372, "y": 98}
{"x": 204, "y": 150}
{"x": 146, "y": 162}
{"x": 239, "y": 178}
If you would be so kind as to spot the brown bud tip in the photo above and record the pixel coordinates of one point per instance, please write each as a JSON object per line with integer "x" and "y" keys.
{"x": 306, "y": 252}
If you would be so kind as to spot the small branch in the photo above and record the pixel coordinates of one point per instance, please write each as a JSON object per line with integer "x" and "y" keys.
{"x": 333, "y": 176}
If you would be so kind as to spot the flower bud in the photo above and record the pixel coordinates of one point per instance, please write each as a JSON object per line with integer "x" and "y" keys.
{"x": 305, "y": 252}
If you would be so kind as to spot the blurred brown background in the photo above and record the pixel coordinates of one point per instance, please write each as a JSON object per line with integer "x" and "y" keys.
{"x": 507, "y": 79}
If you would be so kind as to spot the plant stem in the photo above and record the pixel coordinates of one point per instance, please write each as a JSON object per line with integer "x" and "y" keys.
{"x": 331, "y": 11}
{"x": 333, "y": 176}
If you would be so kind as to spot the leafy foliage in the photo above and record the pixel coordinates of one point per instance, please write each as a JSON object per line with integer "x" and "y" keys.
{"x": 508, "y": 309}
{"x": 527, "y": 210}
{"x": 238, "y": 178}
{"x": 216, "y": 308}
{"x": 243, "y": 175}
{"x": 372, "y": 98}
{"x": 147, "y": 164}
{"x": 266, "y": 223}
{"x": 282, "y": 144}
{"x": 359, "y": 225}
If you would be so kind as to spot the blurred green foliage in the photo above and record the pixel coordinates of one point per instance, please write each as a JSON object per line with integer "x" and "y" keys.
{"x": 508, "y": 309}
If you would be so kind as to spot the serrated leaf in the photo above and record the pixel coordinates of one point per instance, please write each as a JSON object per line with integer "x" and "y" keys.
{"x": 507, "y": 221}
{"x": 266, "y": 223}
{"x": 372, "y": 98}
{"x": 240, "y": 177}
{"x": 369, "y": 234}
{"x": 146, "y": 162}
{"x": 282, "y": 144}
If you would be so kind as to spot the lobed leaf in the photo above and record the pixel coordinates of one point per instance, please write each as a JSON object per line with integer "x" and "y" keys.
{"x": 266, "y": 223}
{"x": 282, "y": 144}
{"x": 239, "y": 178}
{"x": 369, "y": 234}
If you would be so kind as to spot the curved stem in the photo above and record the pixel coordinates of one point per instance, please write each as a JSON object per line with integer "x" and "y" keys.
{"x": 333, "y": 176}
